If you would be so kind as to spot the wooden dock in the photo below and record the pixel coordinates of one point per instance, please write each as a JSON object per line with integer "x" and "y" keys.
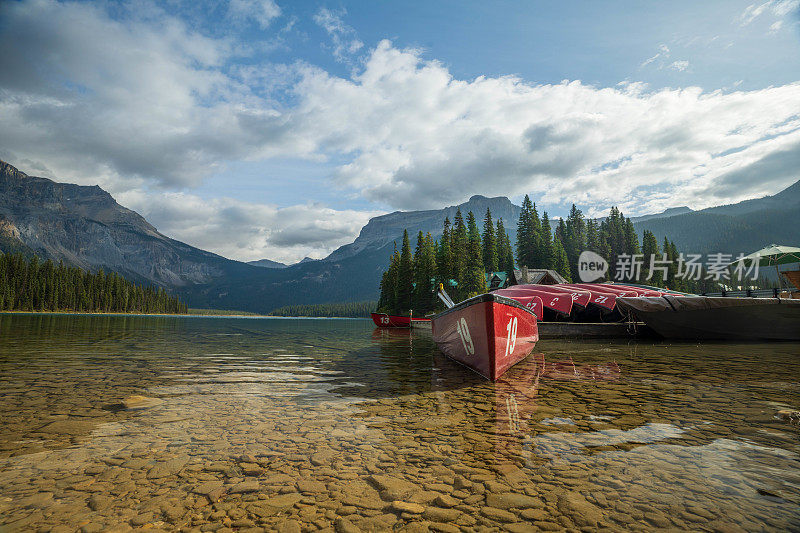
{"x": 598, "y": 330}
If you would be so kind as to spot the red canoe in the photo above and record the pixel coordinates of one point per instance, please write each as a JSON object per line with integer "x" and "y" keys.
{"x": 488, "y": 333}
{"x": 601, "y": 296}
{"x": 528, "y": 299}
{"x": 556, "y": 300}
{"x": 382, "y": 320}
{"x": 580, "y": 297}
{"x": 603, "y": 287}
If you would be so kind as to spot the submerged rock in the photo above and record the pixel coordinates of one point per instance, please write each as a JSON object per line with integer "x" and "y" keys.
{"x": 406, "y": 507}
{"x": 244, "y": 487}
{"x": 392, "y": 488}
{"x": 511, "y": 500}
{"x": 140, "y": 402}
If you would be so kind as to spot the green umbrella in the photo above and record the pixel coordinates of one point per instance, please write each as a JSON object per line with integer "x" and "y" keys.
{"x": 774, "y": 255}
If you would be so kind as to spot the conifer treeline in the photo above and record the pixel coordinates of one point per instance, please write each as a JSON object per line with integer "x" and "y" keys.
{"x": 338, "y": 309}
{"x": 28, "y": 285}
{"x": 538, "y": 246}
{"x": 463, "y": 255}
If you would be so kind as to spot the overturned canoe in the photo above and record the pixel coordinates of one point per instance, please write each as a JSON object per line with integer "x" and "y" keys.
{"x": 488, "y": 333}
{"x": 555, "y": 300}
{"x": 703, "y": 317}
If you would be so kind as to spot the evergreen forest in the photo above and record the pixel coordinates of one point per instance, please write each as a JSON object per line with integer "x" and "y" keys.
{"x": 26, "y": 284}
{"x": 336, "y": 309}
{"x": 464, "y": 254}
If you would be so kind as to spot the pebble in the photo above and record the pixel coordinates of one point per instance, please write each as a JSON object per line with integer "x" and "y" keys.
{"x": 393, "y": 488}
{"x": 406, "y": 507}
{"x": 245, "y": 487}
{"x": 444, "y": 500}
{"x": 137, "y": 401}
{"x": 344, "y": 525}
{"x": 498, "y": 514}
{"x": 98, "y": 502}
{"x": 509, "y": 500}
{"x": 310, "y": 485}
{"x": 437, "y": 514}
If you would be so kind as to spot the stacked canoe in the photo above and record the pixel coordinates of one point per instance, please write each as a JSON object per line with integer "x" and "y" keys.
{"x": 491, "y": 332}
{"x": 573, "y": 301}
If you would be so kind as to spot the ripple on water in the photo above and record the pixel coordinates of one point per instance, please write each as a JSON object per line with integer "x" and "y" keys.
{"x": 277, "y": 424}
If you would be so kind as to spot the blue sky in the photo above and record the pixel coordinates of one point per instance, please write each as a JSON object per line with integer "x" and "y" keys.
{"x": 261, "y": 128}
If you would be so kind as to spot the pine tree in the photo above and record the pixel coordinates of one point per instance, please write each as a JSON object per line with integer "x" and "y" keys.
{"x": 678, "y": 284}
{"x": 525, "y": 251}
{"x": 424, "y": 274}
{"x": 490, "y": 256}
{"x": 631, "y": 240}
{"x": 613, "y": 239}
{"x": 575, "y": 233}
{"x": 561, "y": 231}
{"x": 444, "y": 257}
{"x": 405, "y": 278}
{"x": 650, "y": 252}
{"x": 592, "y": 236}
{"x": 418, "y": 294}
{"x": 429, "y": 265}
{"x": 559, "y": 261}
{"x": 547, "y": 242}
{"x": 672, "y": 270}
{"x": 388, "y": 298}
{"x": 505, "y": 253}
{"x": 537, "y": 252}
{"x": 475, "y": 282}
{"x": 458, "y": 246}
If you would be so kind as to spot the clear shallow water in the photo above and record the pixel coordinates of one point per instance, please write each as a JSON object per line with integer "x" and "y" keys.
{"x": 323, "y": 424}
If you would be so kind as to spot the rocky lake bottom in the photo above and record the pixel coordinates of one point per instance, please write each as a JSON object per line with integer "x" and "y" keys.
{"x": 119, "y": 423}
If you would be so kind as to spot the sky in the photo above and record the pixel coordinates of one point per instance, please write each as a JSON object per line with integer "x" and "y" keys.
{"x": 272, "y": 129}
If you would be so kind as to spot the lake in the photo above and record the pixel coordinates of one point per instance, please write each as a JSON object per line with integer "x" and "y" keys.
{"x": 218, "y": 424}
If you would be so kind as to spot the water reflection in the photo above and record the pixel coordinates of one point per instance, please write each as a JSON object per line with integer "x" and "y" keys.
{"x": 260, "y": 423}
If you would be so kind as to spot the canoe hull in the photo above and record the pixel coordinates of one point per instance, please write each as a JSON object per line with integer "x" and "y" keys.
{"x": 488, "y": 333}
{"x": 558, "y": 301}
{"x": 382, "y": 320}
{"x": 707, "y": 318}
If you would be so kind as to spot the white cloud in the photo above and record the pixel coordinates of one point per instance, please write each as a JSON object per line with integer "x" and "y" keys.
{"x": 344, "y": 41}
{"x": 262, "y": 12}
{"x": 680, "y": 66}
{"x": 159, "y": 104}
{"x": 421, "y": 138}
{"x": 777, "y": 8}
{"x": 661, "y": 60}
{"x": 663, "y": 53}
{"x": 151, "y": 102}
{"x": 776, "y": 26}
{"x": 247, "y": 231}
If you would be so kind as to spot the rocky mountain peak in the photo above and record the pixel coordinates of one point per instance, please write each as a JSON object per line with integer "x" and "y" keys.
{"x": 84, "y": 226}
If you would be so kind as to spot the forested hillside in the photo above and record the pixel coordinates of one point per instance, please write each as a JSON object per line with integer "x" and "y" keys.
{"x": 342, "y": 310}
{"x": 705, "y": 232}
{"x": 29, "y": 285}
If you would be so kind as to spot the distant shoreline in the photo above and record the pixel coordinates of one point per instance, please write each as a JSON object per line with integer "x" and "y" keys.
{"x": 187, "y": 315}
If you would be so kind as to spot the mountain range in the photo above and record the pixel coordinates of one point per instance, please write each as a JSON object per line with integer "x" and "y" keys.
{"x": 84, "y": 226}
